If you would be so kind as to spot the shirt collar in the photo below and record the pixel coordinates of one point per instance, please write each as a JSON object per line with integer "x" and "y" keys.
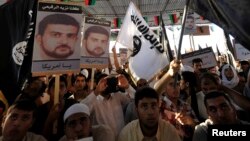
{"x": 100, "y": 97}
{"x": 141, "y": 136}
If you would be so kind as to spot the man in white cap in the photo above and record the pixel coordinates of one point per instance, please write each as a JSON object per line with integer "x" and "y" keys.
{"x": 77, "y": 126}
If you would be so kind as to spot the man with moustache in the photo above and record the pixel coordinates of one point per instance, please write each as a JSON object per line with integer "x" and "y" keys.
{"x": 149, "y": 126}
{"x": 95, "y": 43}
{"x": 57, "y": 37}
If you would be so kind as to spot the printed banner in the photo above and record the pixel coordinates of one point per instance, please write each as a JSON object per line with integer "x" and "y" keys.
{"x": 190, "y": 26}
{"x": 57, "y": 39}
{"x": 123, "y": 55}
{"x": 202, "y": 30}
{"x": 241, "y": 52}
{"x": 206, "y": 55}
{"x": 95, "y": 43}
{"x": 146, "y": 54}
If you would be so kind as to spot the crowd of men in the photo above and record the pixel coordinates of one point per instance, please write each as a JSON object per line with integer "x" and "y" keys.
{"x": 177, "y": 105}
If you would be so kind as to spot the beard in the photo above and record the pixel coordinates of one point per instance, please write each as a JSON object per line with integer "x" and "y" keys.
{"x": 97, "y": 52}
{"x": 56, "y": 52}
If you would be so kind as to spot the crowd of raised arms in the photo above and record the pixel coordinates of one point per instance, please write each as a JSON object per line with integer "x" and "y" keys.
{"x": 178, "y": 104}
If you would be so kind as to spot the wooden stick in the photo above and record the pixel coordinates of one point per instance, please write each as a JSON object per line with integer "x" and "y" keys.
{"x": 56, "y": 98}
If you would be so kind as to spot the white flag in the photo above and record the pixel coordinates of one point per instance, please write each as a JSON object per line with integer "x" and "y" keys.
{"x": 147, "y": 55}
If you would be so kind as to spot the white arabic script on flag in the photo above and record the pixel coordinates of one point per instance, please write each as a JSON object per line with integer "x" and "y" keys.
{"x": 147, "y": 55}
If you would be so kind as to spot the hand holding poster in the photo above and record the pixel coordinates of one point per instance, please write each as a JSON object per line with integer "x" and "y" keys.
{"x": 206, "y": 55}
{"x": 146, "y": 54}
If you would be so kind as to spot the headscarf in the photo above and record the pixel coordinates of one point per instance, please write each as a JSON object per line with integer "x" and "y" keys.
{"x": 229, "y": 83}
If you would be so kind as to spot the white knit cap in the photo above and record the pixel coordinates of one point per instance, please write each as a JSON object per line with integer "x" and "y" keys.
{"x": 76, "y": 108}
{"x": 85, "y": 73}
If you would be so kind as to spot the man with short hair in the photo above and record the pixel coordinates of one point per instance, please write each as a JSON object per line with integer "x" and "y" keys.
{"x": 18, "y": 120}
{"x": 57, "y": 37}
{"x": 198, "y": 70}
{"x": 148, "y": 126}
{"x": 80, "y": 88}
{"x": 197, "y": 65}
{"x": 77, "y": 125}
{"x": 96, "y": 39}
{"x": 190, "y": 27}
{"x": 107, "y": 103}
{"x": 130, "y": 113}
{"x": 244, "y": 66}
{"x": 190, "y": 24}
{"x": 220, "y": 110}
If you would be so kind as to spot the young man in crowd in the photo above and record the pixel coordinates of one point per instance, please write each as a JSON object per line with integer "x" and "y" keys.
{"x": 220, "y": 110}
{"x": 107, "y": 104}
{"x": 77, "y": 125}
{"x": 148, "y": 126}
{"x": 18, "y": 120}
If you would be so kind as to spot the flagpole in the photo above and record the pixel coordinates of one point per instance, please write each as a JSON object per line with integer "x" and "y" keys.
{"x": 181, "y": 36}
{"x": 228, "y": 42}
{"x": 229, "y": 48}
{"x": 192, "y": 38}
{"x": 175, "y": 49}
{"x": 182, "y": 29}
{"x": 56, "y": 99}
{"x": 170, "y": 55}
{"x": 92, "y": 79}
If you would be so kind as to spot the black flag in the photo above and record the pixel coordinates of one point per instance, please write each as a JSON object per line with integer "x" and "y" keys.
{"x": 231, "y": 15}
{"x": 16, "y": 28}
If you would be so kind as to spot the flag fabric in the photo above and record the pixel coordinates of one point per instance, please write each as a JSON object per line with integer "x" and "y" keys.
{"x": 229, "y": 44}
{"x": 117, "y": 22}
{"x": 146, "y": 19}
{"x": 16, "y": 30}
{"x": 231, "y": 59}
{"x": 218, "y": 52}
{"x": 174, "y": 17}
{"x": 146, "y": 54}
{"x": 229, "y": 15}
{"x": 156, "y": 20}
{"x": 3, "y": 1}
{"x": 199, "y": 47}
{"x": 90, "y": 2}
{"x": 230, "y": 50}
